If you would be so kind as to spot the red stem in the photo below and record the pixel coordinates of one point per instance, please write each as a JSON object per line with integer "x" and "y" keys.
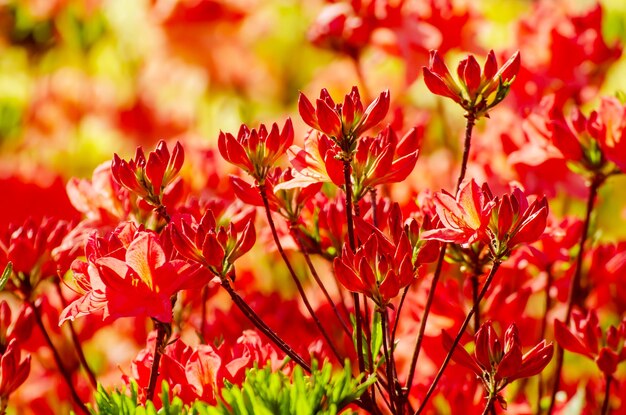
{"x": 433, "y": 386}
{"x": 158, "y": 351}
{"x": 574, "y": 292}
{"x": 264, "y": 328}
{"x": 294, "y": 277}
{"x": 57, "y": 359}
{"x": 76, "y": 341}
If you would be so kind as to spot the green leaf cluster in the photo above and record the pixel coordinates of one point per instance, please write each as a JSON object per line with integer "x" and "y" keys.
{"x": 263, "y": 393}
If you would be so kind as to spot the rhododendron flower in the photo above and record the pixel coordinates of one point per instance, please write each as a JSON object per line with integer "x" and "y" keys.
{"x": 499, "y": 362}
{"x": 285, "y": 195}
{"x": 317, "y": 162}
{"x": 148, "y": 178}
{"x": 216, "y": 248}
{"x": 514, "y": 221}
{"x": 192, "y": 373}
{"x": 586, "y": 338}
{"x": 476, "y": 92}
{"x": 591, "y": 143}
{"x": 13, "y": 371}
{"x": 465, "y": 219}
{"x": 378, "y": 268}
{"x": 129, "y": 273}
{"x": 383, "y": 159}
{"x": 339, "y": 27}
{"x": 30, "y": 250}
{"x": 344, "y": 123}
{"x": 256, "y": 151}
{"x": 612, "y": 131}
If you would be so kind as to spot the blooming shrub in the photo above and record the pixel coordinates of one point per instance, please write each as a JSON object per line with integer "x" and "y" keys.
{"x": 320, "y": 216}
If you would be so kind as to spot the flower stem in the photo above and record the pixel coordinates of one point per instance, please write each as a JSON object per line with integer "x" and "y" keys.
{"x": 607, "y": 395}
{"x": 388, "y": 362}
{"x": 469, "y": 126}
{"x": 76, "y": 341}
{"x": 264, "y": 328}
{"x": 318, "y": 280}
{"x": 57, "y": 359}
{"x": 489, "y": 407}
{"x": 433, "y": 386}
{"x": 159, "y": 346}
{"x": 351, "y": 240}
{"x": 294, "y": 277}
{"x": 474, "y": 281}
{"x": 544, "y": 325}
{"x": 575, "y": 285}
{"x": 422, "y": 329}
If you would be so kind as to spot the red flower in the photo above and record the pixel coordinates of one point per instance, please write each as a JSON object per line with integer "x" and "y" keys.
{"x": 30, "y": 250}
{"x": 344, "y": 123}
{"x": 586, "y": 338}
{"x": 592, "y": 143}
{"x": 612, "y": 131}
{"x": 205, "y": 243}
{"x": 149, "y": 178}
{"x": 13, "y": 371}
{"x": 317, "y": 162}
{"x": 499, "y": 362}
{"x": 464, "y": 219}
{"x": 383, "y": 159}
{"x": 285, "y": 195}
{"x": 256, "y": 151}
{"x": 476, "y": 92}
{"x": 514, "y": 221}
{"x": 378, "y": 268}
{"x": 128, "y": 273}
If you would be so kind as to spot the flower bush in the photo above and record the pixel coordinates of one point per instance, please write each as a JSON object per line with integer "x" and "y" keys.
{"x": 415, "y": 240}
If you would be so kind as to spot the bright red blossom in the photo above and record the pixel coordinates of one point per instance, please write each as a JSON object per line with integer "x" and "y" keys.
{"x": 13, "y": 371}
{"x": 476, "y": 92}
{"x": 344, "y": 123}
{"x": 256, "y": 151}
{"x": 586, "y": 338}
{"x": 383, "y": 159}
{"x": 148, "y": 178}
{"x": 465, "y": 218}
{"x": 499, "y": 362}
{"x": 215, "y": 247}
{"x": 378, "y": 268}
{"x": 129, "y": 273}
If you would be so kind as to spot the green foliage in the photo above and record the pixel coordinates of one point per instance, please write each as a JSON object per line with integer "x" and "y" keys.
{"x": 263, "y": 393}
{"x": 267, "y": 393}
{"x": 119, "y": 402}
{"x": 6, "y": 274}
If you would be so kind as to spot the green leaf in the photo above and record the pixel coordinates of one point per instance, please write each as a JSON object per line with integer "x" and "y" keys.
{"x": 8, "y": 270}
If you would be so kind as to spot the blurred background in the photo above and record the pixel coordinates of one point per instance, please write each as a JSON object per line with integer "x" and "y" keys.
{"x": 81, "y": 79}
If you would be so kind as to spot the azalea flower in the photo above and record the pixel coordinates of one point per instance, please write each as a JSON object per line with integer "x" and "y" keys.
{"x": 129, "y": 273}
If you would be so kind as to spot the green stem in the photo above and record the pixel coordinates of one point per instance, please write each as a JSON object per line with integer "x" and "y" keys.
{"x": 388, "y": 362}
{"x": 433, "y": 386}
